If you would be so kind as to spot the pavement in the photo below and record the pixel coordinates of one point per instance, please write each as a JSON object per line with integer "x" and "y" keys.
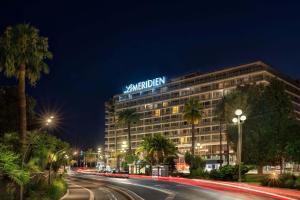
{"x": 91, "y": 186}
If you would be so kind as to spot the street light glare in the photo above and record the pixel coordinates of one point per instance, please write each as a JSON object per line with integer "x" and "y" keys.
{"x": 243, "y": 117}
{"x": 238, "y": 112}
{"x": 235, "y": 120}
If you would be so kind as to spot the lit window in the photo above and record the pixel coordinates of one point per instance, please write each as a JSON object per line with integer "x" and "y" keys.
{"x": 175, "y": 109}
{"x": 148, "y": 106}
{"x": 183, "y": 140}
{"x": 196, "y": 121}
{"x": 157, "y": 113}
{"x": 165, "y": 104}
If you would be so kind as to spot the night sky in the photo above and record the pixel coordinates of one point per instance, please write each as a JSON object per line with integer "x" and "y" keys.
{"x": 99, "y": 47}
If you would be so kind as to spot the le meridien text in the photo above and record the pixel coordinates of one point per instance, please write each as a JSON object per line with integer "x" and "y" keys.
{"x": 145, "y": 85}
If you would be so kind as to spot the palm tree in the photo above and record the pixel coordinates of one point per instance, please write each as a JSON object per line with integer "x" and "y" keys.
{"x": 22, "y": 55}
{"x": 193, "y": 114}
{"x": 156, "y": 148}
{"x": 90, "y": 157}
{"x": 220, "y": 111}
{"x": 112, "y": 112}
{"x": 225, "y": 109}
{"x": 129, "y": 117}
{"x": 9, "y": 166}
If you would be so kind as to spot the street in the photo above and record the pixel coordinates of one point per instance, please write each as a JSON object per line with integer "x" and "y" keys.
{"x": 88, "y": 187}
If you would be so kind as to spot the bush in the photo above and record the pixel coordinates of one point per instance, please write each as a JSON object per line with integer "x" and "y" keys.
{"x": 228, "y": 172}
{"x": 199, "y": 173}
{"x": 57, "y": 189}
{"x": 214, "y": 174}
{"x": 297, "y": 183}
{"x": 194, "y": 162}
{"x": 286, "y": 180}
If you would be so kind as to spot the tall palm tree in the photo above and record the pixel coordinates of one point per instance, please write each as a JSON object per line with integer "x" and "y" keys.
{"x": 112, "y": 112}
{"x": 225, "y": 110}
{"x": 128, "y": 117}
{"x": 22, "y": 55}
{"x": 156, "y": 148}
{"x": 193, "y": 113}
{"x": 90, "y": 157}
{"x": 220, "y": 111}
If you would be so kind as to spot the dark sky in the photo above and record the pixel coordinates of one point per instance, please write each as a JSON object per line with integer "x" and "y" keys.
{"x": 101, "y": 46}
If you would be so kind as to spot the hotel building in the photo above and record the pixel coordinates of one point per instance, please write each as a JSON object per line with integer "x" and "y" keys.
{"x": 160, "y": 103}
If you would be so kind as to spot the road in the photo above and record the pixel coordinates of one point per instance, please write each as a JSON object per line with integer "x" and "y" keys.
{"x": 89, "y": 187}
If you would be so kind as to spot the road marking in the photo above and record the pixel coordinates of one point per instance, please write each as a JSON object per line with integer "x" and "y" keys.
{"x": 171, "y": 195}
{"x": 109, "y": 193}
{"x": 91, "y": 194}
{"x": 126, "y": 192}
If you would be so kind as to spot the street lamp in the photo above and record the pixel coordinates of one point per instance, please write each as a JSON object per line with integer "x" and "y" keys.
{"x": 238, "y": 120}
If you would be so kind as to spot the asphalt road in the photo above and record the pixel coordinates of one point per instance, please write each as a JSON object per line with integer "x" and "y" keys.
{"x": 89, "y": 187}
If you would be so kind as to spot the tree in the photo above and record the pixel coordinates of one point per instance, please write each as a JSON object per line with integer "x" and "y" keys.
{"x": 237, "y": 99}
{"x": 90, "y": 157}
{"x": 193, "y": 114}
{"x": 112, "y": 111}
{"x": 270, "y": 122}
{"x": 9, "y": 110}
{"x": 280, "y": 111}
{"x": 22, "y": 55}
{"x": 9, "y": 166}
{"x": 156, "y": 148}
{"x": 193, "y": 161}
{"x": 129, "y": 117}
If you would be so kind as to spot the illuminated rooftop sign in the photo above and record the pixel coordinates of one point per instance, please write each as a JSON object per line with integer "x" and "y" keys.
{"x": 145, "y": 85}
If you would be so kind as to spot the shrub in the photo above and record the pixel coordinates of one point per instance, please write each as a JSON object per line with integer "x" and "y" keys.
{"x": 57, "y": 189}
{"x": 214, "y": 174}
{"x": 286, "y": 180}
{"x": 228, "y": 172}
{"x": 199, "y": 173}
{"x": 297, "y": 183}
{"x": 194, "y": 162}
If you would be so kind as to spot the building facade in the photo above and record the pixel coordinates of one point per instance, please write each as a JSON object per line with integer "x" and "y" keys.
{"x": 160, "y": 103}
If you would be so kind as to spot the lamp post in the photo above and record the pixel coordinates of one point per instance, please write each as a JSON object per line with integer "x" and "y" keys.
{"x": 238, "y": 120}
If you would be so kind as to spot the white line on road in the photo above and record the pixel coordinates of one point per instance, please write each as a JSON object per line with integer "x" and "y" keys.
{"x": 132, "y": 195}
{"x": 171, "y": 195}
{"x": 91, "y": 194}
{"x": 112, "y": 196}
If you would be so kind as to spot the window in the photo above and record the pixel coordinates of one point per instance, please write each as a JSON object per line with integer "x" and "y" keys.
{"x": 183, "y": 140}
{"x": 157, "y": 113}
{"x": 175, "y": 109}
{"x": 148, "y": 106}
{"x": 165, "y": 104}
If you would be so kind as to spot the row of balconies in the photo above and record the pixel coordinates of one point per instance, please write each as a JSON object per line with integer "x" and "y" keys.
{"x": 229, "y": 83}
{"x": 135, "y": 142}
{"x": 165, "y": 125}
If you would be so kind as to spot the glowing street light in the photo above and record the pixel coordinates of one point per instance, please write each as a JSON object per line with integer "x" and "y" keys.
{"x": 238, "y": 112}
{"x": 238, "y": 120}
